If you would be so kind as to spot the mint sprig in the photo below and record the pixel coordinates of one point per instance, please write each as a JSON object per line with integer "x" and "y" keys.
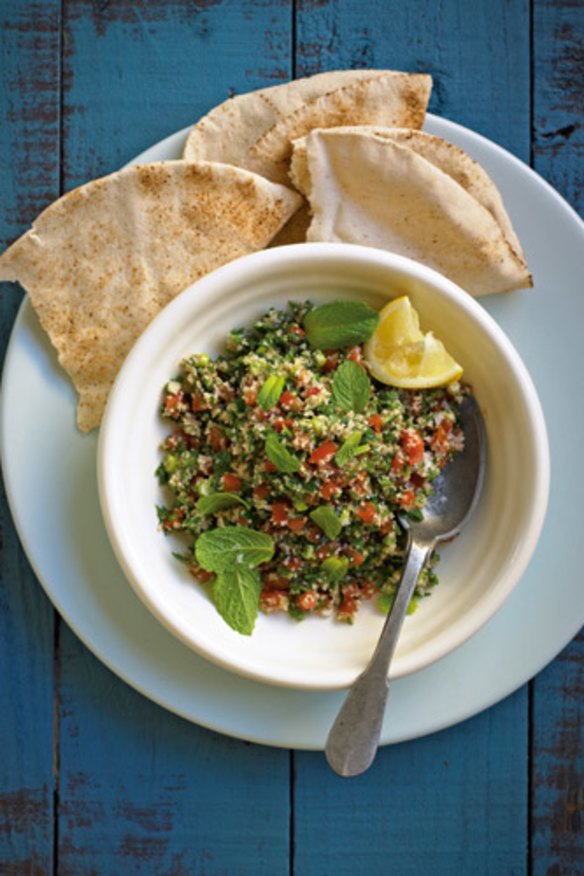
{"x": 334, "y": 569}
{"x": 236, "y": 593}
{"x": 227, "y": 546}
{"x": 340, "y": 324}
{"x": 215, "y": 502}
{"x": 284, "y": 461}
{"x": 326, "y": 519}
{"x": 351, "y": 387}
{"x": 271, "y": 391}
{"x": 348, "y": 449}
{"x": 233, "y": 553}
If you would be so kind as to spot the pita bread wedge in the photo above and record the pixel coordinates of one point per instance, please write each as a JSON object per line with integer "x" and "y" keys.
{"x": 397, "y": 100}
{"x": 369, "y": 189}
{"x": 227, "y": 132}
{"x": 447, "y": 157}
{"x": 104, "y": 259}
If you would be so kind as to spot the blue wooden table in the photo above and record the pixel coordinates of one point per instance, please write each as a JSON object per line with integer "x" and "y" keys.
{"x": 94, "y": 777}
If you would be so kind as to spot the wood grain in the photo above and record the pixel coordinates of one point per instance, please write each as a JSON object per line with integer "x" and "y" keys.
{"x": 142, "y": 790}
{"x": 557, "y": 725}
{"x": 94, "y": 778}
{"x": 456, "y": 802}
{"x": 29, "y": 145}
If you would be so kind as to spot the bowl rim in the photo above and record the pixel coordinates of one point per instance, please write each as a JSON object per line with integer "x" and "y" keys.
{"x": 243, "y": 269}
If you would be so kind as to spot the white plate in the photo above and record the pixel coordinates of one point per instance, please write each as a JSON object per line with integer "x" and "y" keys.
{"x": 50, "y": 476}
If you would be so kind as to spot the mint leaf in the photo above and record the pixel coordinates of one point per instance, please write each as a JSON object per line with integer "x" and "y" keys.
{"x": 351, "y": 387}
{"x": 236, "y": 593}
{"x": 220, "y": 549}
{"x": 348, "y": 449}
{"x": 334, "y": 568}
{"x": 219, "y": 502}
{"x": 327, "y": 520}
{"x": 271, "y": 391}
{"x": 281, "y": 457}
{"x": 340, "y": 324}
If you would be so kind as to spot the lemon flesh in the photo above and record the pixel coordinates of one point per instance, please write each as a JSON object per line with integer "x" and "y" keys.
{"x": 400, "y": 354}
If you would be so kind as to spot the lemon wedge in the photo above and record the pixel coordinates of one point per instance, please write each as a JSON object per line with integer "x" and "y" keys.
{"x": 400, "y": 354}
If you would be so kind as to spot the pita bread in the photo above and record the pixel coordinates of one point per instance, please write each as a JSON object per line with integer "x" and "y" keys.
{"x": 369, "y": 189}
{"x": 103, "y": 260}
{"x": 447, "y": 157}
{"x": 396, "y": 100}
{"x": 227, "y": 132}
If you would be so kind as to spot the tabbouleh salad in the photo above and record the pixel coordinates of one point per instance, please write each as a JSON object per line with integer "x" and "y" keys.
{"x": 288, "y": 466}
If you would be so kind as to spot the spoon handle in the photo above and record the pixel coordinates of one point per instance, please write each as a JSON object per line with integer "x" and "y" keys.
{"x": 354, "y": 737}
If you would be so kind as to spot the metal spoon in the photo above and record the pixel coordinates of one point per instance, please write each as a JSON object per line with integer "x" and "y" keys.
{"x": 354, "y": 737}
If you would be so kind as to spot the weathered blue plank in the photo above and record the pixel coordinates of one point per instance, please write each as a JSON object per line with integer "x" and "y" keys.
{"x": 452, "y": 803}
{"x": 557, "y": 813}
{"x": 478, "y": 54}
{"x": 136, "y": 72}
{"x": 558, "y": 96}
{"x": 29, "y": 146}
{"x": 557, "y": 782}
{"x": 456, "y": 802}
{"x": 141, "y": 790}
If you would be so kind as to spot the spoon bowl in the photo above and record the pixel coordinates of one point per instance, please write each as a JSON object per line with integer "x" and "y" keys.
{"x": 354, "y": 737}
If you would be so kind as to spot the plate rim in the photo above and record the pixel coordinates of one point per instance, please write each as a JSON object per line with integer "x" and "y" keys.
{"x": 570, "y": 629}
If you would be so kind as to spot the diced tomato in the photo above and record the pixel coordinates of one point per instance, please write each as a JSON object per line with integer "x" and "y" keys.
{"x": 440, "y": 440}
{"x": 201, "y": 574}
{"x": 413, "y": 445}
{"x": 397, "y": 463}
{"x": 217, "y": 439}
{"x": 375, "y": 422}
{"x": 313, "y": 534}
{"x": 331, "y": 362}
{"x": 197, "y": 403}
{"x": 274, "y": 581}
{"x": 226, "y": 392}
{"x": 350, "y": 599}
{"x": 269, "y": 466}
{"x": 325, "y": 550}
{"x": 328, "y": 490}
{"x": 417, "y": 480}
{"x": 407, "y": 499}
{"x": 172, "y": 403}
{"x": 280, "y": 424}
{"x": 292, "y": 563}
{"x": 273, "y": 600}
{"x": 356, "y": 557}
{"x": 289, "y": 401}
{"x": 261, "y": 491}
{"x": 307, "y": 601}
{"x": 386, "y": 527}
{"x": 368, "y": 589}
{"x": 296, "y": 330}
{"x": 354, "y": 354}
{"x": 312, "y": 390}
{"x": 231, "y": 482}
{"x": 324, "y": 452}
{"x": 174, "y": 519}
{"x": 297, "y": 524}
{"x": 367, "y": 512}
{"x": 250, "y": 396}
{"x": 279, "y": 513}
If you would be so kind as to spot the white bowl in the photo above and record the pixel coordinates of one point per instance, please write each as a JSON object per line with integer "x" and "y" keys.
{"x": 477, "y": 571}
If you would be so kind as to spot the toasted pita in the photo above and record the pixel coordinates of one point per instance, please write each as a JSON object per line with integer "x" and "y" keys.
{"x": 447, "y": 157}
{"x": 231, "y": 128}
{"x": 369, "y": 189}
{"x": 396, "y": 100}
{"x": 103, "y": 260}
